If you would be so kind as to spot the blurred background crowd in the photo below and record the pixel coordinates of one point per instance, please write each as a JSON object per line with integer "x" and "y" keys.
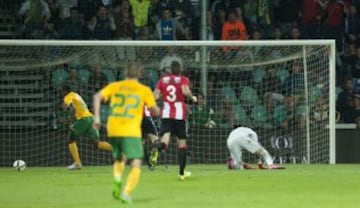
{"x": 181, "y": 20}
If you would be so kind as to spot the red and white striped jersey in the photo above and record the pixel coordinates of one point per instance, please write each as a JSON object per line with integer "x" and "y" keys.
{"x": 174, "y": 106}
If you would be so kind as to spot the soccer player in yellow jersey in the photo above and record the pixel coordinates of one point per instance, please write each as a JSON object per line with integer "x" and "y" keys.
{"x": 127, "y": 100}
{"x": 83, "y": 126}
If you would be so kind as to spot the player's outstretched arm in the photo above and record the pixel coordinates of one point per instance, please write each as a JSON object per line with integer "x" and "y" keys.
{"x": 96, "y": 105}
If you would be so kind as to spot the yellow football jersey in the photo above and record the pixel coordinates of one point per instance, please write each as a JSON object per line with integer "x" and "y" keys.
{"x": 127, "y": 100}
{"x": 81, "y": 109}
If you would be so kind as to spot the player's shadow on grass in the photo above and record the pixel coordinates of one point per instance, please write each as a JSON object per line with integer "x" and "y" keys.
{"x": 146, "y": 199}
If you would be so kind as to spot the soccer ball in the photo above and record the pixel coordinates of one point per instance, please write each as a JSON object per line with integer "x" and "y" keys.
{"x": 19, "y": 165}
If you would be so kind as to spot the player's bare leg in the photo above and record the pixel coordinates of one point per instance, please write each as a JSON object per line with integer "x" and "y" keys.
{"x": 104, "y": 146}
{"x": 94, "y": 135}
{"x": 154, "y": 155}
{"x": 147, "y": 155}
{"x": 132, "y": 181}
{"x": 118, "y": 169}
{"x": 152, "y": 137}
{"x": 73, "y": 149}
{"x": 182, "y": 154}
{"x": 101, "y": 145}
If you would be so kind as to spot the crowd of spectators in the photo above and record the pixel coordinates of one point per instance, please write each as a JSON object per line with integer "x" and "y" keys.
{"x": 226, "y": 20}
{"x": 177, "y": 19}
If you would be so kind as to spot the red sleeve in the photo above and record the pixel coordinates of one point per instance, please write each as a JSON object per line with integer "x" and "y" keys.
{"x": 185, "y": 81}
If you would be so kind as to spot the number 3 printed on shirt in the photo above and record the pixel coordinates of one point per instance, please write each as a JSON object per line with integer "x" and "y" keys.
{"x": 171, "y": 89}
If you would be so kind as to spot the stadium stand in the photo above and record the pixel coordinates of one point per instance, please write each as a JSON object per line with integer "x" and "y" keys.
{"x": 22, "y": 96}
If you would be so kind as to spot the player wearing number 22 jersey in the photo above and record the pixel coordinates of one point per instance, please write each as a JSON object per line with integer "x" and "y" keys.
{"x": 173, "y": 89}
{"x": 127, "y": 100}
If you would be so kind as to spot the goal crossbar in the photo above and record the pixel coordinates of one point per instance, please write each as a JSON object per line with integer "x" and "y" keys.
{"x": 21, "y": 42}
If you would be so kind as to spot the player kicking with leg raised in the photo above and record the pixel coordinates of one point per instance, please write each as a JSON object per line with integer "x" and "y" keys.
{"x": 245, "y": 138}
{"x": 81, "y": 127}
{"x": 127, "y": 100}
{"x": 173, "y": 89}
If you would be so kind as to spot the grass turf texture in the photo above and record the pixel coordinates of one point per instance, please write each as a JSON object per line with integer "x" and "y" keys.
{"x": 210, "y": 186}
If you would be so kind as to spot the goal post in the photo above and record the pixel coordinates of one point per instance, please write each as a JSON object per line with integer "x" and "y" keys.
{"x": 285, "y": 90}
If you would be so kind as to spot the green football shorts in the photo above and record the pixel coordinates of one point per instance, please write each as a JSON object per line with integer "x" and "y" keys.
{"x": 84, "y": 127}
{"x": 130, "y": 147}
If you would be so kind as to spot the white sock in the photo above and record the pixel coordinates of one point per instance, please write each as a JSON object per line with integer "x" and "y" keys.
{"x": 266, "y": 156}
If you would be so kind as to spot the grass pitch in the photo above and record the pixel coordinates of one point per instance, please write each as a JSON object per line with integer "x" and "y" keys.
{"x": 310, "y": 186}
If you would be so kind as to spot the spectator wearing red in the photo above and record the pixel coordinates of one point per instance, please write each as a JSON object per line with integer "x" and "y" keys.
{"x": 310, "y": 18}
{"x": 334, "y": 21}
{"x": 335, "y": 13}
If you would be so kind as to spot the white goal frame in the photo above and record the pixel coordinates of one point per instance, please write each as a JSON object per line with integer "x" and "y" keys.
{"x": 304, "y": 43}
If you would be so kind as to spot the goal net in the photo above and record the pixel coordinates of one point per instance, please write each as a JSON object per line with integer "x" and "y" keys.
{"x": 284, "y": 90}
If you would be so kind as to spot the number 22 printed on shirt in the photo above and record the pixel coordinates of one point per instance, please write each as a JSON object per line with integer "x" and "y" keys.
{"x": 124, "y": 105}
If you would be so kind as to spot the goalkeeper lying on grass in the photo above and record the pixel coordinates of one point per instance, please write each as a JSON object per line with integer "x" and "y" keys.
{"x": 245, "y": 138}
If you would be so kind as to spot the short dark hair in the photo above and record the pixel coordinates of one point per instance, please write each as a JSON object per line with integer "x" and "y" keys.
{"x": 66, "y": 88}
{"x": 175, "y": 67}
{"x": 133, "y": 70}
